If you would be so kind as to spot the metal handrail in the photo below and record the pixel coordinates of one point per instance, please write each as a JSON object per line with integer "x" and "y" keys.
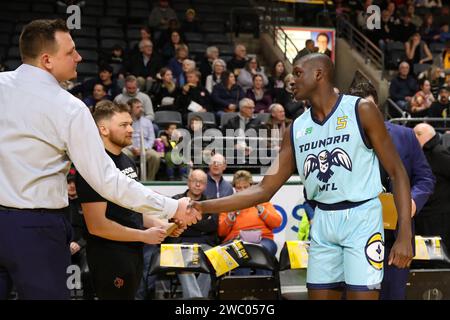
{"x": 357, "y": 40}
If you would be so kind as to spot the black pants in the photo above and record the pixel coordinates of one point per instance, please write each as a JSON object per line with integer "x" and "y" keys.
{"x": 116, "y": 270}
{"x": 437, "y": 224}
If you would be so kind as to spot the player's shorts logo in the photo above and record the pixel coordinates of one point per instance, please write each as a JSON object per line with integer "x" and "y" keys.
{"x": 375, "y": 251}
{"x": 324, "y": 161}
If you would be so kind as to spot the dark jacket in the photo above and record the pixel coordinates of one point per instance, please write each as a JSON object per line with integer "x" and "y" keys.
{"x": 137, "y": 67}
{"x": 204, "y": 231}
{"x": 198, "y": 94}
{"x": 292, "y": 107}
{"x": 87, "y": 87}
{"x": 234, "y": 123}
{"x": 260, "y": 105}
{"x": 401, "y": 88}
{"x": 234, "y": 64}
{"x": 222, "y": 97}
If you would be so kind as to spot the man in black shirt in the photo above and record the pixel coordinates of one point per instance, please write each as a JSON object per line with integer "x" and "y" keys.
{"x": 116, "y": 234}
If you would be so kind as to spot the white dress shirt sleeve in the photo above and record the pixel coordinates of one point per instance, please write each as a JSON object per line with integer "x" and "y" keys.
{"x": 86, "y": 150}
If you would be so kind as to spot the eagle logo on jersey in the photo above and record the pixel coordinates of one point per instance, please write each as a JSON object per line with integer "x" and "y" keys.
{"x": 324, "y": 161}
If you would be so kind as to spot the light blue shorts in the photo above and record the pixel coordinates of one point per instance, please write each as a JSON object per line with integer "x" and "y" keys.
{"x": 347, "y": 248}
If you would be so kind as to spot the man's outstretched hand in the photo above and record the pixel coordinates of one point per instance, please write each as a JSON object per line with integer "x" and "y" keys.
{"x": 186, "y": 213}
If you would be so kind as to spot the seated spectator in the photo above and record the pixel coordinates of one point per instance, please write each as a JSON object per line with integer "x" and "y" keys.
{"x": 262, "y": 217}
{"x": 245, "y": 78}
{"x": 195, "y": 126}
{"x": 417, "y": 51}
{"x": 286, "y": 98}
{"x": 169, "y": 49}
{"x": 427, "y": 30}
{"x": 117, "y": 55}
{"x": 160, "y": 15}
{"x": 212, "y": 53}
{"x": 194, "y": 97}
{"x": 130, "y": 91}
{"x": 276, "y": 125}
{"x": 171, "y": 137}
{"x": 429, "y": 3}
{"x": 218, "y": 67}
{"x": 260, "y": 97}
{"x": 415, "y": 19}
{"x": 190, "y": 23}
{"x": 436, "y": 77}
{"x": 188, "y": 65}
{"x": 309, "y": 48}
{"x": 385, "y": 34}
{"x": 362, "y": 15}
{"x": 444, "y": 34}
{"x": 440, "y": 108}
{"x": 245, "y": 119}
{"x": 393, "y": 15}
{"x": 403, "y": 87}
{"x": 422, "y": 100}
{"x": 146, "y": 126}
{"x": 165, "y": 35}
{"x": 276, "y": 79}
{"x": 98, "y": 94}
{"x": 165, "y": 92}
{"x": 226, "y": 95}
{"x": 203, "y": 233}
{"x": 217, "y": 186}
{"x": 239, "y": 59}
{"x": 176, "y": 63}
{"x": 105, "y": 73}
{"x": 405, "y": 30}
{"x": 145, "y": 65}
{"x": 144, "y": 34}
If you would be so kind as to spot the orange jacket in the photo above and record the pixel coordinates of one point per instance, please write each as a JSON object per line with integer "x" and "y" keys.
{"x": 249, "y": 218}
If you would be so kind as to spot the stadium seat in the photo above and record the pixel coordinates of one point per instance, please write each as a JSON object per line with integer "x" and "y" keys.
{"x": 437, "y": 47}
{"x": 216, "y": 38}
{"x": 139, "y": 13}
{"x": 263, "y": 117}
{"x": 116, "y": 68}
{"x": 395, "y": 53}
{"x": 212, "y": 27}
{"x": 108, "y": 22}
{"x": 6, "y": 27}
{"x": 111, "y": 33}
{"x": 133, "y": 34}
{"x": 198, "y": 49}
{"x": 86, "y": 43}
{"x": 3, "y": 51}
{"x": 85, "y": 31}
{"x": 208, "y": 118}
{"x": 193, "y": 37}
{"x": 115, "y": 12}
{"x": 226, "y": 117}
{"x": 165, "y": 117}
{"x": 42, "y": 7}
{"x": 13, "y": 53}
{"x": 12, "y": 64}
{"x": 87, "y": 69}
{"x": 421, "y": 67}
{"x": 92, "y": 11}
{"x": 88, "y": 21}
{"x": 108, "y": 44}
{"x": 225, "y": 49}
{"x": 15, "y": 39}
{"x": 88, "y": 55}
{"x": 117, "y": 4}
{"x": 139, "y": 4}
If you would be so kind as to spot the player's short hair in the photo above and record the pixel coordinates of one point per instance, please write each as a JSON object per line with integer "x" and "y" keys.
{"x": 364, "y": 89}
{"x": 242, "y": 175}
{"x": 105, "y": 109}
{"x": 39, "y": 36}
{"x": 130, "y": 78}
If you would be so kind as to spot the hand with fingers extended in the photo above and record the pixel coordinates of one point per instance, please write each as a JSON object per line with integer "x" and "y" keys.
{"x": 401, "y": 253}
{"x": 153, "y": 235}
{"x": 186, "y": 213}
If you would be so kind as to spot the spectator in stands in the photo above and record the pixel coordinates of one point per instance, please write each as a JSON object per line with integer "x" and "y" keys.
{"x": 239, "y": 59}
{"x": 171, "y": 137}
{"x": 237, "y": 225}
{"x": 188, "y": 65}
{"x": 212, "y": 53}
{"x": 190, "y": 23}
{"x": 441, "y": 107}
{"x": 276, "y": 79}
{"x": 218, "y": 67}
{"x": 405, "y": 30}
{"x": 276, "y": 125}
{"x": 245, "y": 78}
{"x": 434, "y": 219}
{"x": 286, "y": 98}
{"x": 144, "y": 34}
{"x": 195, "y": 125}
{"x": 309, "y": 48}
{"x": 130, "y": 91}
{"x": 260, "y": 97}
{"x": 117, "y": 57}
{"x": 226, "y": 95}
{"x": 145, "y": 65}
{"x": 166, "y": 91}
{"x": 436, "y": 77}
{"x": 203, "y": 233}
{"x": 443, "y": 16}
{"x": 362, "y": 15}
{"x": 429, "y": 3}
{"x": 194, "y": 97}
{"x": 417, "y": 51}
{"x": 386, "y": 32}
{"x": 444, "y": 34}
{"x": 322, "y": 43}
{"x": 415, "y": 19}
{"x": 422, "y": 100}
{"x": 176, "y": 63}
{"x": 98, "y": 94}
{"x": 403, "y": 87}
{"x": 245, "y": 119}
{"x": 217, "y": 186}
{"x": 393, "y": 16}
{"x": 105, "y": 73}
{"x": 170, "y": 48}
{"x": 146, "y": 126}
{"x": 427, "y": 30}
{"x": 160, "y": 15}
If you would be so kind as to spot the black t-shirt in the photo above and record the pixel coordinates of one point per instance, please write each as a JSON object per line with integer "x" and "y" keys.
{"x": 114, "y": 212}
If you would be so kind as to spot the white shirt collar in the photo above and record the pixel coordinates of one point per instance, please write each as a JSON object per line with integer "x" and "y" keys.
{"x": 37, "y": 74}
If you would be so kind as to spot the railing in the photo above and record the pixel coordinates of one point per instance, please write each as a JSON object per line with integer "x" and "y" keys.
{"x": 358, "y": 41}
{"x": 424, "y": 119}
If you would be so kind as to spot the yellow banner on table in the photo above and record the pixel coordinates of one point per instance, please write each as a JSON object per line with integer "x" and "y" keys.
{"x": 428, "y": 248}
{"x": 172, "y": 255}
{"x": 298, "y": 254}
{"x": 221, "y": 260}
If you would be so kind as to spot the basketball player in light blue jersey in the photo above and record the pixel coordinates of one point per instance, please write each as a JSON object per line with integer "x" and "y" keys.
{"x": 335, "y": 146}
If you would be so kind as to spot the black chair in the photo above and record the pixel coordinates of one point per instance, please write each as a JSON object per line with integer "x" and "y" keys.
{"x": 165, "y": 117}
{"x": 94, "y": 11}
{"x": 111, "y": 33}
{"x": 192, "y": 37}
{"x": 437, "y": 47}
{"x": 85, "y": 31}
{"x": 292, "y": 281}
{"x": 261, "y": 287}
{"x": 12, "y": 64}
{"x": 42, "y": 7}
{"x": 139, "y": 4}
{"x": 108, "y": 22}
{"x": 87, "y": 69}
{"x": 86, "y": 43}
{"x": 88, "y": 55}
{"x": 115, "y": 12}
{"x": 226, "y": 117}
{"x": 263, "y": 117}
{"x": 133, "y": 34}
{"x": 209, "y": 119}
{"x": 118, "y": 4}
{"x": 216, "y": 38}
{"x": 108, "y": 44}
{"x": 418, "y": 68}
{"x": 214, "y": 27}
{"x": 139, "y": 13}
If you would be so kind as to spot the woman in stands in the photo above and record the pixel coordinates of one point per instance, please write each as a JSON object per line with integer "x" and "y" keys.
{"x": 260, "y": 97}
{"x": 285, "y": 97}
{"x": 417, "y": 51}
{"x": 218, "y": 67}
{"x": 165, "y": 92}
{"x": 226, "y": 95}
{"x": 427, "y": 30}
{"x": 245, "y": 78}
{"x": 170, "y": 47}
{"x": 254, "y": 224}
{"x": 422, "y": 100}
{"x": 276, "y": 80}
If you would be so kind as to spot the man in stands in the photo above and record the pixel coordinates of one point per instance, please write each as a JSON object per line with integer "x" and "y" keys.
{"x": 403, "y": 87}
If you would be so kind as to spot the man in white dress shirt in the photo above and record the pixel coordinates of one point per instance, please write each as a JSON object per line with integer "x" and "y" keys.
{"x": 43, "y": 129}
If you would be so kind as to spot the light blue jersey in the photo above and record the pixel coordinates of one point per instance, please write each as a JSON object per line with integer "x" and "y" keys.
{"x": 333, "y": 159}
